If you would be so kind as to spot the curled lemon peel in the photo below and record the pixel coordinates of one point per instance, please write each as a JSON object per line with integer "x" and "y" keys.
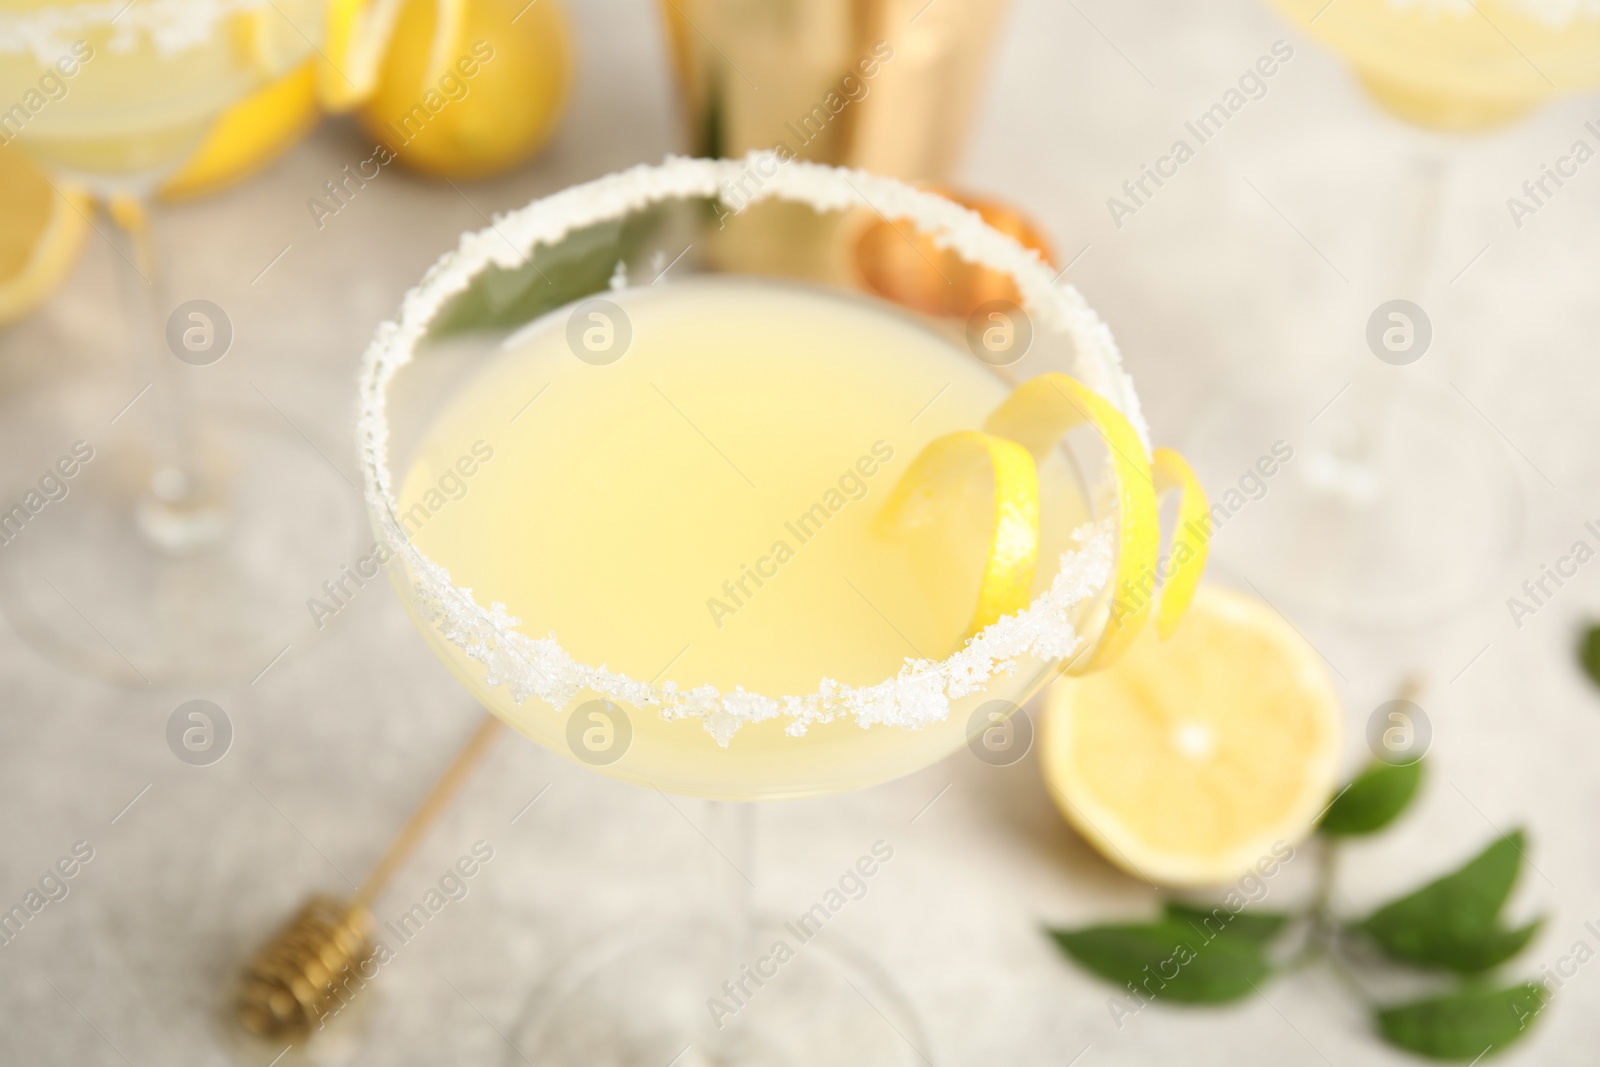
{"x": 1013, "y": 557}
{"x": 1191, "y": 537}
{"x": 1037, "y": 415}
{"x": 1026, "y": 427}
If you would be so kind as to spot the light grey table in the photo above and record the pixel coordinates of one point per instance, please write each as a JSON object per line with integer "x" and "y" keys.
{"x": 1249, "y": 263}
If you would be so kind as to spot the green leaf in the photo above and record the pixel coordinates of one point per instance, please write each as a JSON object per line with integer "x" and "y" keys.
{"x": 1464, "y": 1025}
{"x": 1168, "y": 960}
{"x": 1490, "y": 949}
{"x": 1374, "y": 800}
{"x": 1453, "y": 922}
{"x": 579, "y": 264}
{"x": 1258, "y": 927}
{"x": 711, "y": 146}
{"x": 1589, "y": 653}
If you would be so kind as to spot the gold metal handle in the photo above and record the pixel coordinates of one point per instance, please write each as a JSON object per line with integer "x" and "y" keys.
{"x": 310, "y": 968}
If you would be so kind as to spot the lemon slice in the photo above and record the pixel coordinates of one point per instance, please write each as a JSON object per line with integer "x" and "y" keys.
{"x": 249, "y": 135}
{"x": 1195, "y": 758}
{"x": 930, "y": 485}
{"x": 1036, "y": 415}
{"x": 357, "y": 33}
{"x": 41, "y": 234}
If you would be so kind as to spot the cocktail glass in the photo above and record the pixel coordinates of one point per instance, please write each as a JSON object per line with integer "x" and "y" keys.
{"x": 1459, "y": 65}
{"x": 1395, "y": 450}
{"x": 196, "y": 534}
{"x": 583, "y": 398}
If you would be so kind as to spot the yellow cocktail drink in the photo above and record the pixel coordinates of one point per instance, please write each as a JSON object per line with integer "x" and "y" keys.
{"x": 702, "y": 508}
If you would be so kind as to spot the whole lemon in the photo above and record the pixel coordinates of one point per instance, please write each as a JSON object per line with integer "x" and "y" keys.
{"x": 479, "y": 97}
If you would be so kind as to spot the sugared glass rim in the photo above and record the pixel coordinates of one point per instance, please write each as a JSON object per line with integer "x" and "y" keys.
{"x": 171, "y": 26}
{"x": 921, "y": 693}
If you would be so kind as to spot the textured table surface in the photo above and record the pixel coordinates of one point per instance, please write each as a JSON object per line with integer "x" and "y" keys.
{"x": 1248, "y": 264}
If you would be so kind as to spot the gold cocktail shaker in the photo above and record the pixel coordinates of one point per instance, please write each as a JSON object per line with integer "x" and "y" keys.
{"x": 885, "y": 85}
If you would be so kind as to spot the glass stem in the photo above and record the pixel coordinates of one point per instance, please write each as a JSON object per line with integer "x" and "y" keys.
{"x": 178, "y": 512}
{"x": 1352, "y": 469}
{"x": 740, "y": 817}
{"x": 1429, "y": 170}
{"x": 1413, "y": 258}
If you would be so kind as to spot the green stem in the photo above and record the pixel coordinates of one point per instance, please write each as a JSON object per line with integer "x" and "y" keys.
{"x": 1325, "y": 929}
{"x": 1316, "y": 916}
{"x": 1342, "y": 972}
{"x": 1313, "y": 951}
{"x": 1327, "y": 869}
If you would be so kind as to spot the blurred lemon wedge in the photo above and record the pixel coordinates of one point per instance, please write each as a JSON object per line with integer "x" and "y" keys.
{"x": 356, "y": 33}
{"x": 249, "y": 135}
{"x": 41, "y": 234}
{"x": 1193, "y": 758}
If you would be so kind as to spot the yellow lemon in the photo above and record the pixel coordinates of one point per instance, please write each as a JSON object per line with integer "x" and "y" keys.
{"x": 41, "y": 234}
{"x": 1191, "y": 536}
{"x": 354, "y": 37}
{"x": 1037, "y": 415}
{"x": 1028, "y": 425}
{"x": 1195, "y": 758}
{"x": 478, "y": 98}
{"x": 250, "y": 135}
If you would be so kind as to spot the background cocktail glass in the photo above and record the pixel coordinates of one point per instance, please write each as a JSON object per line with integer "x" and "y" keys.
{"x": 1459, "y": 65}
{"x": 646, "y": 996}
{"x": 1402, "y": 455}
{"x": 165, "y": 549}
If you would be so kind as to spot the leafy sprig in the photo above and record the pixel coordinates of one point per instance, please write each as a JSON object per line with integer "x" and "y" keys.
{"x": 1453, "y": 925}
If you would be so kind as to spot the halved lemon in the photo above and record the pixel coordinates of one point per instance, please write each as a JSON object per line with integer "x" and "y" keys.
{"x": 1192, "y": 759}
{"x": 41, "y": 234}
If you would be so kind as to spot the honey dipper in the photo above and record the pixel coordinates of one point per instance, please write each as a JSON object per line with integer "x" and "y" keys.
{"x": 302, "y": 974}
